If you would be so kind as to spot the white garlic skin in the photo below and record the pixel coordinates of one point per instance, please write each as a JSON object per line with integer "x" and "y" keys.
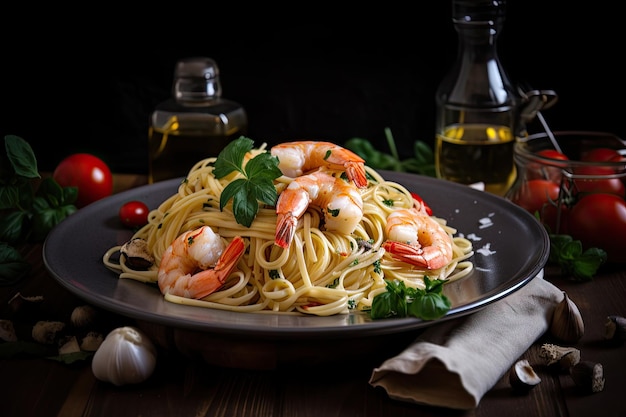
{"x": 126, "y": 356}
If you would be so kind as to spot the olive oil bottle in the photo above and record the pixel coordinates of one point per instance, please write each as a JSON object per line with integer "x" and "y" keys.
{"x": 195, "y": 123}
{"x": 478, "y": 108}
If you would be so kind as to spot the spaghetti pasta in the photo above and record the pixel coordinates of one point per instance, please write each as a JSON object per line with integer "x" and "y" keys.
{"x": 322, "y": 272}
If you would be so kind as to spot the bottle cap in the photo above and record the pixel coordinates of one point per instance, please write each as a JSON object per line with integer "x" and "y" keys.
{"x": 478, "y": 10}
{"x": 196, "y": 67}
{"x": 196, "y": 80}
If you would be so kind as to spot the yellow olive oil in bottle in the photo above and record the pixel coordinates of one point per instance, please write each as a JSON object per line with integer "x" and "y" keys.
{"x": 195, "y": 123}
{"x": 477, "y": 106}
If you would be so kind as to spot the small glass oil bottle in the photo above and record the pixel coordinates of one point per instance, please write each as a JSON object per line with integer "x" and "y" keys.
{"x": 477, "y": 106}
{"x": 195, "y": 123}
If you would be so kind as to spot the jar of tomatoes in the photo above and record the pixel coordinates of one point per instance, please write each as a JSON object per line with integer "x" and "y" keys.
{"x": 575, "y": 184}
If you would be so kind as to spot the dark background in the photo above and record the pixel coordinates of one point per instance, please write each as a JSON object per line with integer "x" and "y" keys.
{"x": 87, "y": 80}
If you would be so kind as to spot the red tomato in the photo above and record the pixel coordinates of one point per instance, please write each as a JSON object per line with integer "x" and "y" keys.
{"x": 555, "y": 220}
{"x": 599, "y": 185}
{"x": 429, "y": 211}
{"x": 550, "y": 170}
{"x": 599, "y": 220}
{"x": 553, "y": 154}
{"x": 533, "y": 195}
{"x": 600, "y": 155}
{"x": 88, "y": 173}
{"x": 134, "y": 214}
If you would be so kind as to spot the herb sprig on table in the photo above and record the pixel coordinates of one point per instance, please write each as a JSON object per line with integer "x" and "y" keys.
{"x": 422, "y": 162}
{"x": 28, "y": 212}
{"x": 568, "y": 254}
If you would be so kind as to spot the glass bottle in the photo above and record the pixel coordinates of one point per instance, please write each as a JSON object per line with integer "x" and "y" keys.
{"x": 195, "y": 123}
{"x": 478, "y": 108}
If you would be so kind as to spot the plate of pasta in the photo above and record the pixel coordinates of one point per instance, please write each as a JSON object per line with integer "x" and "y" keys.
{"x": 293, "y": 274}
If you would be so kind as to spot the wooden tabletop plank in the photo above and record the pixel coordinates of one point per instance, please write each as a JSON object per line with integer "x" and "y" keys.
{"x": 183, "y": 386}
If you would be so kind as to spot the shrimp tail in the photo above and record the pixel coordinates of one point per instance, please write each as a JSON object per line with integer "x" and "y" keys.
{"x": 356, "y": 173}
{"x": 210, "y": 280}
{"x": 428, "y": 257}
{"x": 285, "y": 229}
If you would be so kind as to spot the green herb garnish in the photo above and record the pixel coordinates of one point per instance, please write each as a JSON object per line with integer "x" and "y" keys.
{"x": 422, "y": 162}
{"x": 401, "y": 301}
{"x": 568, "y": 254}
{"x": 27, "y": 212}
{"x": 258, "y": 182}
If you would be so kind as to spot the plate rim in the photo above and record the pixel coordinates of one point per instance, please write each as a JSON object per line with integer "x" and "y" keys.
{"x": 285, "y": 325}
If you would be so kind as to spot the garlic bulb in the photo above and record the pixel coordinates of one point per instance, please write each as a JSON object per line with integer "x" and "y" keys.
{"x": 126, "y": 356}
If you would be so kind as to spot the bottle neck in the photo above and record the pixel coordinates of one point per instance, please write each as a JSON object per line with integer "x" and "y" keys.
{"x": 477, "y": 89}
{"x": 195, "y": 90}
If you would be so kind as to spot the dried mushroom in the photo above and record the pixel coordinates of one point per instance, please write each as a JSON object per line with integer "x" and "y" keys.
{"x": 83, "y": 316}
{"x": 615, "y": 329}
{"x": 25, "y": 307}
{"x": 522, "y": 376}
{"x": 588, "y": 376}
{"x": 563, "y": 357}
{"x": 136, "y": 254}
{"x": 7, "y": 331}
{"x": 47, "y": 332}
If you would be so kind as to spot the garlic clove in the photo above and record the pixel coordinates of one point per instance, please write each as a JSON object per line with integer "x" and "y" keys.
{"x": 68, "y": 345}
{"x": 567, "y": 321}
{"x": 522, "y": 376}
{"x": 126, "y": 356}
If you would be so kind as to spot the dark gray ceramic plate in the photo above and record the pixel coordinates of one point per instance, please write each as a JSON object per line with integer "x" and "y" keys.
{"x": 511, "y": 248}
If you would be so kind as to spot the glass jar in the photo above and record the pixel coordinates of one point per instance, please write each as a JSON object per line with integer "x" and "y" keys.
{"x": 549, "y": 183}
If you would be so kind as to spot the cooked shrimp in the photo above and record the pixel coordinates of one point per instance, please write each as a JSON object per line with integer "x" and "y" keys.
{"x": 340, "y": 201}
{"x": 296, "y": 158}
{"x": 197, "y": 264}
{"x": 415, "y": 238}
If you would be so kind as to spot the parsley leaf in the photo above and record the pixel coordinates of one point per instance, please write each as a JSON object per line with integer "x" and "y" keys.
{"x": 257, "y": 185}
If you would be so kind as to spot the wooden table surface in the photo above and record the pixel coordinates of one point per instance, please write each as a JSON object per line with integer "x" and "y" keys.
{"x": 183, "y": 386}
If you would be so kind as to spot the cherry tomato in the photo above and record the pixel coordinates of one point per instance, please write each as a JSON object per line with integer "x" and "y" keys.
{"x": 90, "y": 174}
{"x": 599, "y": 185}
{"x": 533, "y": 195}
{"x": 134, "y": 214}
{"x": 600, "y": 155}
{"x": 599, "y": 220}
{"x": 554, "y": 219}
{"x": 429, "y": 211}
{"x": 552, "y": 154}
{"x": 547, "y": 171}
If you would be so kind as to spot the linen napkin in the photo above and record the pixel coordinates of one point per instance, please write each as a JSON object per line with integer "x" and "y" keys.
{"x": 453, "y": 364}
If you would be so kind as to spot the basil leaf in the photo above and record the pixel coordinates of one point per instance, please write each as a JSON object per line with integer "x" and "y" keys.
{"x": 21, "y": 156}
{"x": 12, "y": 266}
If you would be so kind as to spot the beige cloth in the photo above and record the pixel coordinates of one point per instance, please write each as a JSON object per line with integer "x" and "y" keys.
{"x": 453, "y": 364}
